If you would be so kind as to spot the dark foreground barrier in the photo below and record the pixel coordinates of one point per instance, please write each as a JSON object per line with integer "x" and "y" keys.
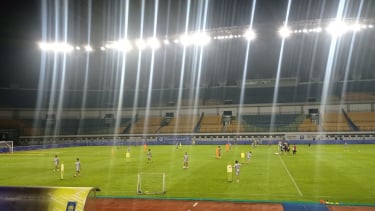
{"x": 47, "y": 198}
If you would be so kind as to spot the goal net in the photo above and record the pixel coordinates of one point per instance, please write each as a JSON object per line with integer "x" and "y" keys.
{"x": 151, "y": 183}
{"x": 6, "y": 146}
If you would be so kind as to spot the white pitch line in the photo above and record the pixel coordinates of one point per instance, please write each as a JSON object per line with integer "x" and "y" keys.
{"x": 291, "y": 177}
{"x": 195, "y": 204}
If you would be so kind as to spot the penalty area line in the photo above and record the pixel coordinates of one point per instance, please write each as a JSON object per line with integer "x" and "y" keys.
{"x": 291, "y": 177}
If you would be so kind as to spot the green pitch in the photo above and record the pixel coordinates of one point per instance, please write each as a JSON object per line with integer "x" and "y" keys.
{"x": 321, "y": 172}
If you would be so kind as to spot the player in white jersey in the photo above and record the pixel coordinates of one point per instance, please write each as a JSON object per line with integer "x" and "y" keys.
{"x": 186, "y": 161}
{"x": 56, "y": 162}
{"x": 78, "y": 168}
{"x": 248, "y": 156}
{"x": 237, "y": 170}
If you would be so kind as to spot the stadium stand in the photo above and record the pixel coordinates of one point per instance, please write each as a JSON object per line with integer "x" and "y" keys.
{"x": 180, "y": 124}
{"x": 308, "y": 125}
{"x": 263, "y": 122}
{"x": 146, "y": 125}
{"x": 334, "y": 121}
{"x": 211, "y": 124}
{"x": 69, "y": 126}
{"x": 235, "y": 126}
{"x": 365, "y": 121}
{"x": 358, "y": 96}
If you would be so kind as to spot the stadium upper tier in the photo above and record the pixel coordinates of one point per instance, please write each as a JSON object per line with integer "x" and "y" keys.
{"x": 195, "y": 124}
{"x": 350, "y": 91}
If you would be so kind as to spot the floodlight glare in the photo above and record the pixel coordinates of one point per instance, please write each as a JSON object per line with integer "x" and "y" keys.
{"x": 56, "y": 47}
{"x": 337, "y": 28}
{"x": 284, "y": 32}
{"x": 78, "y": 48}
{"x": 185, "y": 40}
{"x": 356, "y": 27}
{"x": 250, "y": 34}
{"x": 200, "y": 39}
{"x": 43, "y": 46}
{"x": 166, "y": 42}
{"x": 88, "y": 48}
{"x": 153, "y": 43}
{"x": 141, "y": 44}
{"x": 102, "y": 48}
{"x": 120, "y": 45}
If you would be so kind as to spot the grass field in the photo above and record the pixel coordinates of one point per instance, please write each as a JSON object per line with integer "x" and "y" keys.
{"x": 320, "y": 172}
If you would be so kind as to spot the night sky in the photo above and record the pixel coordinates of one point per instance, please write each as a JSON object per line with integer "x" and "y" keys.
{"x": 25, "y": 23}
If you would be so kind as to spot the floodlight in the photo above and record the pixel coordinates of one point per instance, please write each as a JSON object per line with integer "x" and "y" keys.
{"x": 201, "y": 39}
{"x": 141, "y": 44}
{"x": 284, "y": 32}
{"x": 62, "y": 47}
{"x": 78, "y": 48}
{"x": 357, "y": 27}
{"x": 102, "y": 48}
{"x": 43, "y": 46}
{"x": 250, "y": 34}
{"x": 88, "y": 48}
{"x": 153, "y": 42}
{"x": 371, "y": 26}
{"x": 166, "y": 42}
{"x": 337, "y": 28}
{"x": 195, "y": 39}
{"x": 56, "y": 47}
{"x": 120, "y": 45}
{"x": 185, "y": 40}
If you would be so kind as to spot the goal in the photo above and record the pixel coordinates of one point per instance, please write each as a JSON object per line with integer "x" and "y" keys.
{"x": 151, "y": 183}
{"x": 6, "y": 146}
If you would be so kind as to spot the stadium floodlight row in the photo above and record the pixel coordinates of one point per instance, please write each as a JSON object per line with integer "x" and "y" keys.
{"x": 334, "y": 28}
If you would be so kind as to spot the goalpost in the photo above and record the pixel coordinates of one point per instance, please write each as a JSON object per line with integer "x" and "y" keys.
{"x": 6, "y": 146}
{"x": 151, "y": 183}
